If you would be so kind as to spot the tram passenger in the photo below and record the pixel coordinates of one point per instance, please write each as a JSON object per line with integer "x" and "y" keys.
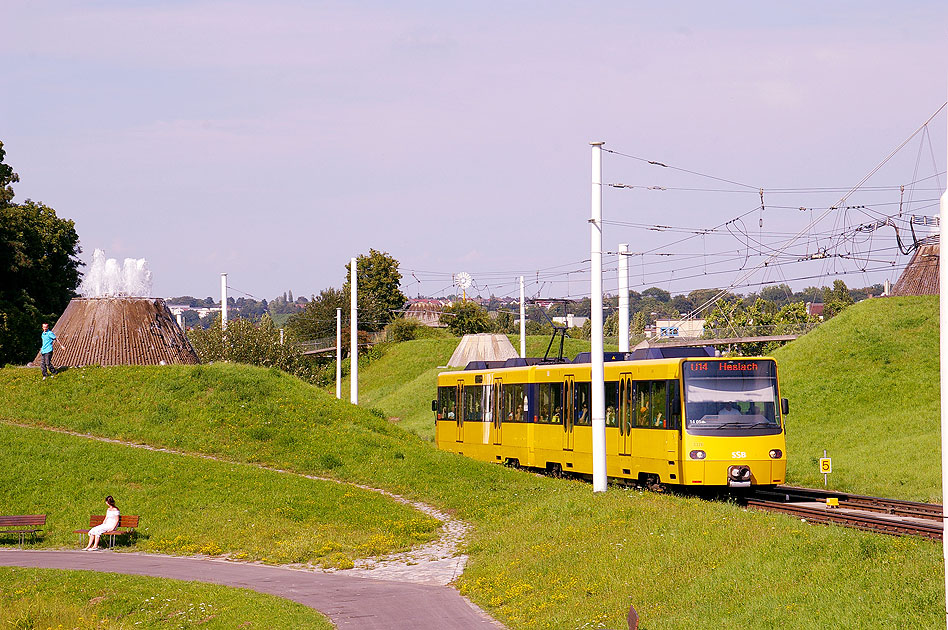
{"x": 729, "y": 410}
{"x": 611, "y": 417}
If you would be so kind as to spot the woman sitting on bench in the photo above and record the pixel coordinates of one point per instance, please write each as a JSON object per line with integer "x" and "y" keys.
{"x": 111, "y": 521}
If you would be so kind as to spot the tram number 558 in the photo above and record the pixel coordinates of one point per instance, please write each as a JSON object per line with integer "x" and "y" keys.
{"x": 738, "y": 455}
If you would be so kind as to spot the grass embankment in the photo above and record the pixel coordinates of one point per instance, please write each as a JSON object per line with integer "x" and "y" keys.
{"x": 545, "y": 553}
{"x": 191, "y": 505}
{"x": 864, "y": 386}
{"x": 402, "y": 381}
{"x": 83, "y": 600}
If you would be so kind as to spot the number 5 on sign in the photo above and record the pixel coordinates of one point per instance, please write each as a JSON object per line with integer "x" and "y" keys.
{"x": 826, "y": 465}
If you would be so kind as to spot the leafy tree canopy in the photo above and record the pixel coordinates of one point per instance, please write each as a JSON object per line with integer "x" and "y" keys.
{"x": 379, "y": 289}
{"x": 466, "y": 318}
{"x": 318, "y": 318}
{"x": 39, "y": 269}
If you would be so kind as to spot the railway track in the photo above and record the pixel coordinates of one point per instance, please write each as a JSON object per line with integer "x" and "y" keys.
{"x": 889, "y": 516}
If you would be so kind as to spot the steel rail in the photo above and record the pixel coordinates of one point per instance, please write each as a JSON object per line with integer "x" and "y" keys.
{"x": 864, "y": 520}
{"x": 894, "y": 507}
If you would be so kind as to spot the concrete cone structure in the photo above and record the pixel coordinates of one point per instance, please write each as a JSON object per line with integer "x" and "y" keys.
{"x": 484, "y": 347}
{"x": 119, "y": 331}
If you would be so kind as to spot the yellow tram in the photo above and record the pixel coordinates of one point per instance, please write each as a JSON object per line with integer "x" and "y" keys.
{"x": 532, "y": 413}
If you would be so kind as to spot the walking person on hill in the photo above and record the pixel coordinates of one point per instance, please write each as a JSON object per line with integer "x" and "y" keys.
{"x": 48, "y": 337}
{"x": 111, "y": 521}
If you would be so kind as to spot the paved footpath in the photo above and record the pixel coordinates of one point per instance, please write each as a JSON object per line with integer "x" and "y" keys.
{"x": 350, "y": 602}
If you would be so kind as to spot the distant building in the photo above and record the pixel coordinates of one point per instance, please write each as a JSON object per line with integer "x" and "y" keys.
{"x": 815, "y": 309}
{"x": 202, "y": 311}
{"x": 673, "y": 328}
{"x": 570, "y": 321}
{"x": 426, "y": 311}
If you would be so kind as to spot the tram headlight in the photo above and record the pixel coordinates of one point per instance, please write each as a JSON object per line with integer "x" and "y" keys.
{"x": 697, "y": 454}
{"x": 776, "y": 453}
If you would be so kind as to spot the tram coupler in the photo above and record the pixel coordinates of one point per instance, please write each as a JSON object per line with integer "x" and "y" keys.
{"x": 739, "y": 477}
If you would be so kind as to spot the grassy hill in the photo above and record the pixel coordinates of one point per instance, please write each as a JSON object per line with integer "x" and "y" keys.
{"x": 86, "y": 600}
{"x": 545, "y": 553}
{"x": 864, "y": 386}
{"x": 402, "y": 382}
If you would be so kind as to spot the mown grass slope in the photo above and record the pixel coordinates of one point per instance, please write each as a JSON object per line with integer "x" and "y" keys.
{"x": 545, "y": 553}
{"x": 84, "y": 600}
{"x": 864, "y": 386}
{"x": 402, "y": 383}
{"x": 192, "y": 505}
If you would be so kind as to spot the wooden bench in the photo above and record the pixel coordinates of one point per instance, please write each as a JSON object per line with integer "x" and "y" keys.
{"x": 23, "y": 526}
{"x": 126, "y": 525}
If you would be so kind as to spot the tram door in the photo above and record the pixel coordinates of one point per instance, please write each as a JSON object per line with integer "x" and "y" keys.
{"x": 497, "y": 399}
{"x": 569, "y": 412}
{"x": 459, "y": 412}
{"x": 625, "y": 414}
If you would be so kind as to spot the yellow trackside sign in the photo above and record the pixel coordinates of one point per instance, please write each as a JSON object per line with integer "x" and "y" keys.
{"x": 826, "y": 465}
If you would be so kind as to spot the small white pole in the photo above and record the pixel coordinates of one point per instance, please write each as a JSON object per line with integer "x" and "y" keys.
{"x": 595, "y": 294}
{"x": 281, "y": 337}
{"x": 523, "y": 324}
{"x": 353, "y": 334}
{"x": 623, "y": 297}
{"x": 223, "y": 301}
{"x": 943, "y": 346}
{"x": 339, "y": 353}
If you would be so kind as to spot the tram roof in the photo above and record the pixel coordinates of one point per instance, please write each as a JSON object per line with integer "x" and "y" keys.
{"x": 639, "y": 354}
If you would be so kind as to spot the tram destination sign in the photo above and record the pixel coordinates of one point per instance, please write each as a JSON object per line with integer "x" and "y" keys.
{"x": 754, "y": 367}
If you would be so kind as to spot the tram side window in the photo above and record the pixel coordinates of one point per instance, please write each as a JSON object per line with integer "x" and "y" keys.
{"x": 513, "y": 403}
{"x": 643, "y": 403}
{"x": 612, "y": 403}
{"x": 551, "y": 403}
{"x": 447, "y": 403}
{"x": 659, "y": 417}
{"x": 582, "y": 395}
{"x": 473, "y": 404}
{"x": 674, "y": 405}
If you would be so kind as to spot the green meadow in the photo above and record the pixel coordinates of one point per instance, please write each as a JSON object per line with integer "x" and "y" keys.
{"x": 192, "y": 505}
{"x": 865, "y": 387}
{"x": 85, "y": 600}
{"x": 544, "y": 552}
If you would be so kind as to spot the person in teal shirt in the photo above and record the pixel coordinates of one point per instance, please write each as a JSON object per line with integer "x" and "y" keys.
{"x": 46, "y": 362}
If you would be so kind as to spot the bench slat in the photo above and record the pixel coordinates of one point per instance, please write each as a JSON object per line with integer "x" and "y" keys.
{"x": 26, "y": 519}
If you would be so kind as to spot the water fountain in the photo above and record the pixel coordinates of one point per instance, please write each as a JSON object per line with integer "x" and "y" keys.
{"x": 115, "y": 322}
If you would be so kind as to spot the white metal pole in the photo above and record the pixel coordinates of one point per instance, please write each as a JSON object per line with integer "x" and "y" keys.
{"x": 523, "y": 324}
{"x": 623, "y": 297}
{"x": 598, "y": 369}
{"x": 943, "y": 346}
{"x": 353, "y": 334}
{"x": 339, "y": 353}
{"x": 223, "y": 301}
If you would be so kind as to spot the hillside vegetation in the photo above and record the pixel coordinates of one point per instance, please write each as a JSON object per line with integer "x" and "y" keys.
{"x": 402, "y": 382}
{"x": 865, "y": 387}
{"x": 86, "y": 600}
{"x": 544, "y": 552}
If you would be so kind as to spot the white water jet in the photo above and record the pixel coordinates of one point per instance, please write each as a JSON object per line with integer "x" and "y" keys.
{"x": 106, "y": 278}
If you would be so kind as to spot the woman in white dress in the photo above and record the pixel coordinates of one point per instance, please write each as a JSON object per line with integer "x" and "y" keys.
{"x": 110, "y": 522}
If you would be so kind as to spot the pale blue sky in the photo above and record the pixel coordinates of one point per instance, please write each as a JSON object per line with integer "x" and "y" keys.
{"x": 274, "y": 141}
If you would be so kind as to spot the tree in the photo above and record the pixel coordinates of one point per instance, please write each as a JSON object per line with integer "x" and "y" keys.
{"x": 466, "y": 318}
{"x": 379, "y": 291}
{"x": 39, "y": 269}
{"x": 505, "y": 324}
{"x": 7, "y": 177}
{"x": 318, "y": 317}
{"x": 250, "y": 343}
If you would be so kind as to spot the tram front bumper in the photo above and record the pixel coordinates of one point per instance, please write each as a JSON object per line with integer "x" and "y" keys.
{"x": 735, "y": 475}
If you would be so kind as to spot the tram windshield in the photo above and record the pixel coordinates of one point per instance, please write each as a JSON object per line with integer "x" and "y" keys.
{"x": 724, "y": 397}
